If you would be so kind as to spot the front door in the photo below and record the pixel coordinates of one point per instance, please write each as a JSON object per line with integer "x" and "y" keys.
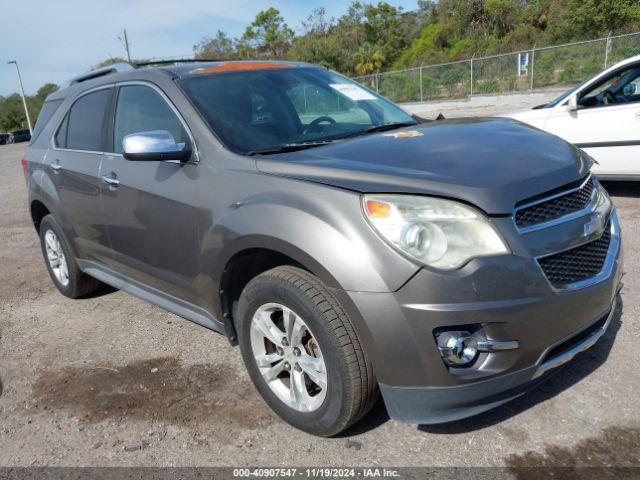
{"x": 607, "y": 122}
{"x": 149, "y": 205}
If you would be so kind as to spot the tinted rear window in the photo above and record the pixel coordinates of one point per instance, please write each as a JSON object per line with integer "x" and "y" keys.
{"x": 86, "y": 121}
{"x": 47, "y": 111}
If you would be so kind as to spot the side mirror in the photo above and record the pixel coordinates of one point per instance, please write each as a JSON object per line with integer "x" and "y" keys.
{"x": 158, "y": 145}
{"x": 572, "y": 104}
{"x": 629, "y": 89}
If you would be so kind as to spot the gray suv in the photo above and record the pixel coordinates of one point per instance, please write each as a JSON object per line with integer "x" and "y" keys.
{"x": 349, "y": 248}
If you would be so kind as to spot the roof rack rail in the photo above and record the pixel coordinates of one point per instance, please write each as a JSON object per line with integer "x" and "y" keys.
{"x": 101, "y": 72}
{"x": 182, "y": 60}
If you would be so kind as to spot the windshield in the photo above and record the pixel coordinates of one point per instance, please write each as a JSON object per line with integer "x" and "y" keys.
{"x": 259, "y": 111}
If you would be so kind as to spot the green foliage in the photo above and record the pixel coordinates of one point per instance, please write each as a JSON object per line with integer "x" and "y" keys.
{"x": 588, "y": 17}
{"x": 12, "y": 115}
{"x": 268, "y": 35}
{"x": 109, "y": 61}
{"x": 328, "y": 42}
{"x": 429, "y": 47}
{"x": 370, "y": 59}
{"x": 382, "y": 29}
{"x": 218, "y": 47}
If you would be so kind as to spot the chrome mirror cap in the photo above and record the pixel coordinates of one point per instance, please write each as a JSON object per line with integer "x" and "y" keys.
{"x": 156, "y": 145}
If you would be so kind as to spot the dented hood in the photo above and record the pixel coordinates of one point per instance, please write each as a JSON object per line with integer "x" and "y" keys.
{"x": 491, "y": 162}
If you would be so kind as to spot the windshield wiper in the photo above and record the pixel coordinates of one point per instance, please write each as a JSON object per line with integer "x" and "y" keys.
{"x": 383, "y": 127}
{"x": 289, "y": 147}
{"x": 292, "y": 147}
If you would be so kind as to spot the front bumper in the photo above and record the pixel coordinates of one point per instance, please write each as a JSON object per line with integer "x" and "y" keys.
{"x": 511, "y": 299}
{"x": 430, "y": 405}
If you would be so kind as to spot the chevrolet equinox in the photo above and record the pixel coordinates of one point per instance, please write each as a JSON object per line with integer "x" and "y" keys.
{"x": 349, "y": 248}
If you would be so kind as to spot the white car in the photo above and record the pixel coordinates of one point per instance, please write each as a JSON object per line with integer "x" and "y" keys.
{"x": 601, "y": 116}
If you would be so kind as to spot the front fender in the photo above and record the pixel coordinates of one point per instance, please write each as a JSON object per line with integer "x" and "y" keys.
{"x": 322, "y": 229}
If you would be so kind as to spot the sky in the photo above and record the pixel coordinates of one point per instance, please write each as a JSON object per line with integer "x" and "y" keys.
{"x": 57, "y": 40}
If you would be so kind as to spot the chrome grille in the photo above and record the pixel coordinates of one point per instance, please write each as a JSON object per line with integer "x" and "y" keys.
{"x": 557, "y": 207}
{"x": 577, "y": 264}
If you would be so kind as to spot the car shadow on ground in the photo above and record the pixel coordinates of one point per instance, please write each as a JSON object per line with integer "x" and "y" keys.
{"x": 101, "y": 291}
{"x": 582, "y": 366}
{"x": 623, "y": 189}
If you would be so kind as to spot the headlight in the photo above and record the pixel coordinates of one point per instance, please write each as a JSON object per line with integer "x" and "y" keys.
{"x": 439, "y": 233}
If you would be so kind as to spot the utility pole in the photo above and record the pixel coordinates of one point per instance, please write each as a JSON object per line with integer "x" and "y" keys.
{"x": 24, "y": 100}
{"x": 126, "y": 45}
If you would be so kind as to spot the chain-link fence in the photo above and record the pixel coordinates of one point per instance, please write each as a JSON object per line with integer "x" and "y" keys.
{"x": 539, "y": 67}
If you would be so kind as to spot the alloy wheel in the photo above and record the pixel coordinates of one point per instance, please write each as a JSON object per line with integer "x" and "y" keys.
{"x": 288, "y": 357}
{"x": 56, "y": 258}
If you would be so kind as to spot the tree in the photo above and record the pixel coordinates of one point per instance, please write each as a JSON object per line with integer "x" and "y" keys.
{"x": 12, "y": 115}
{"x": 382, "y": 29}
{"x": 598, "y": 17}
{"x": 269, "y": 35}
{"x": 219, "y": 47}
{"x": 320, "y": 43}
{"x": 370, "y": 59}
{"x": 45, "y": 90}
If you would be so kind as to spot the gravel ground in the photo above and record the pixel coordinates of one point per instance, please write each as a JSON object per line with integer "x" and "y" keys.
{"x": 80, "y": 385}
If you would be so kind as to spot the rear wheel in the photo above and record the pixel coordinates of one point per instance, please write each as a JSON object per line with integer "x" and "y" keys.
{"x": 61, "y": 264}
{"x": 302, "y": 352}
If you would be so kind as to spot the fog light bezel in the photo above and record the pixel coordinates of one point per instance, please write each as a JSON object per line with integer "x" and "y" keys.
{"x": 450, "y": 342}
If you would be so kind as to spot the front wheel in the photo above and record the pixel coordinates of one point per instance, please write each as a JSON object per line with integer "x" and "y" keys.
{"x": 302, "y": 352}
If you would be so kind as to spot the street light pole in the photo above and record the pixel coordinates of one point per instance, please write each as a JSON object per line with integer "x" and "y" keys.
{"x": 24, "y": 100}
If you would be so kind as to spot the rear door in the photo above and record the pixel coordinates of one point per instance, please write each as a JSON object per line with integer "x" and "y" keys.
{"x": 150, "y": 206}
{"x": 74, "y": 166}
{"x": 607, "y": 122}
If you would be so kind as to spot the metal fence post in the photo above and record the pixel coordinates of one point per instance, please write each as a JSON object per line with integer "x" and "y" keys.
{"x": 377, "y": 79}
{"x": 471, "y": 87}
{"x": 533, "y": 61}
{"x": 607, "y": 49}
{"x": 421, "y": 92}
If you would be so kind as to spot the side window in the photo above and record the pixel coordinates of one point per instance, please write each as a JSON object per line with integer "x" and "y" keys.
{"x": 142, "y": 109}
{"x": 84, "y": 123}
{"x": 46, "y": 112}
{"x": 620, "y": 88}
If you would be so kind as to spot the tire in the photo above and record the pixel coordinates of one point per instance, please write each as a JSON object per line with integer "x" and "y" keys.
{"x": 351, "y": 388}
{"x": 75, "y": 283}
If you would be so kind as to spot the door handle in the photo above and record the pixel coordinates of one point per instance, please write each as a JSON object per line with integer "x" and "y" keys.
{"x": 55, "y": 166}
{"x": 112, "y": 182}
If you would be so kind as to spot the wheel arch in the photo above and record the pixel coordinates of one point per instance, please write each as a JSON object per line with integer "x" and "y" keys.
{"x": 247, "y": 258}
{"x": 38, "y": 211}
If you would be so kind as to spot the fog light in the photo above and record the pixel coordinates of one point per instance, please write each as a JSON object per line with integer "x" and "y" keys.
{"x": 457, "y": 348}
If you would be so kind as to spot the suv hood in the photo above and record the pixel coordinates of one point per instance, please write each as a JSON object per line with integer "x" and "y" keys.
{"x": 492, "y": 163}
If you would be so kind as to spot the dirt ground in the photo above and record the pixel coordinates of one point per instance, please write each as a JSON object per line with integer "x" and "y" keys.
{"x": 113, "y": 381}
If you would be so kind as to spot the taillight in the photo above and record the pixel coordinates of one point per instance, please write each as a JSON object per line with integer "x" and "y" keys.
{"x": 24, "y": 166}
